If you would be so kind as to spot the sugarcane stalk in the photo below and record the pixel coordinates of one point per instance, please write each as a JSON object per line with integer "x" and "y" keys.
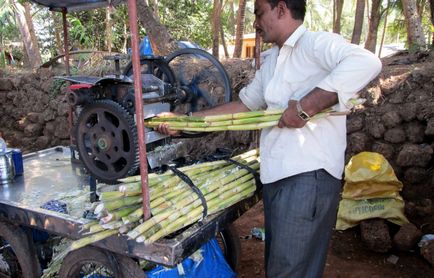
{"x": 119, "y": 213}
{"x": 77, "y": 244}
{"x": 118, "y": 203}
{"x": 235, "y": 187}
{"x": 133, "y": 216}
{"x": 195, "y": 214}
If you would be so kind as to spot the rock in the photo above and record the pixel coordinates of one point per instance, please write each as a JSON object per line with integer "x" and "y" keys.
{"x": 49, "y": 128}
{"x": 44, "y": 73}
{"x": 426, "y": 111}
{"x": 407, "y": 237}
{"x": 355, "y": 123}
{"x": 34, "y": 117}
{"x": 424, "y": 208}
{"x": 6, "y": 84}
{"x": 385, "y": 149}
{"x": 391, "y": 119}
{"x": 416, "y": 174}
{"x": 358, "y": 142}
{"x": 415, "y": 132}
{"x": 427, "y": 251}
{"x": 429, "y": 131}
{"x": 415, "y": 155}
{"x": 61, "y": 128}
{"x": 43, "y": 142}
{"x": 375, "y": 128}
{"x": 395, "y": 135}
{"x": 49, "y": 114}
{"x": 63, "y": 109}
{"x": 408, "y": 111}
{"x": 375, "y": 235}
{"x": 32, "y": 130}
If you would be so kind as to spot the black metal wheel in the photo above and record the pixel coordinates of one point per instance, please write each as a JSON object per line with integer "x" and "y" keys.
{"x": 202, "y": 76}
{"x": 94, "y": 262}
{"x": 154, "y": 65}
{"x": 230, "y": 244}
{"x": 107, "y": 140}
{"x": 17, "y": 253}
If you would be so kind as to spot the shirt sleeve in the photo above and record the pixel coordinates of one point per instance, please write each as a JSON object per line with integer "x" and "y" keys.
{"x": 351, "y": 67}
{"x": 253, "y": 95}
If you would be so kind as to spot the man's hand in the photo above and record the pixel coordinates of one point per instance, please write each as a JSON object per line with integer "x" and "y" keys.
{"x": 164, "y": 128}
{"x": 290, "y": 117}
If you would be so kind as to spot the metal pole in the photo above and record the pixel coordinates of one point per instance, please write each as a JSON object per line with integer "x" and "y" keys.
{"x": 65, "y": 41}
{"x": 68, "y": 72}
{"x": 132, "y": 13}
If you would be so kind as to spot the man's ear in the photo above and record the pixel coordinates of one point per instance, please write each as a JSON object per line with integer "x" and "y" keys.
{"x": 282, "y": 9}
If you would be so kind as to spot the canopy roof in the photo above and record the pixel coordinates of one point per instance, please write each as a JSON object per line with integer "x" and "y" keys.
{"x": 76, "y": 5}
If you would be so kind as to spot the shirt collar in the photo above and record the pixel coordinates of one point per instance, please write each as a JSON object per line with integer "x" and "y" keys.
{"x": 292, "y": 40}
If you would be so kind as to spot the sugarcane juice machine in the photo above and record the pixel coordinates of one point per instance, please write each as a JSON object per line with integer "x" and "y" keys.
{"x": 103, "y": 118}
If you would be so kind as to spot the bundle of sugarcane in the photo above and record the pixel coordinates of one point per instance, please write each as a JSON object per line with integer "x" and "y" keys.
{"x": 173, "y": 203}
{"x": 252, "y": 120}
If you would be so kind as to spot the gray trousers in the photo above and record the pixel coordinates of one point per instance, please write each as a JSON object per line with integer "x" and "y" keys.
{"x": 300, "y": 213}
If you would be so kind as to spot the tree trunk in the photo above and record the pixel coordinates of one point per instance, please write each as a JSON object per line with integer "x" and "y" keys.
{"x": 215, "y": 27}
{"x": 358, "y": 22}
{"x": 28, "y": 35}
{"x": 225, "y": 48}
{"x": 154, "y": 5}
{"x": 384, "y": 28}
{"x": 374, "y": 21}
{"x": 240, "y": 29}
{"x": 232, "y": 17}
{"x": 337, "y": 14}
{"x": 415, "y": 36}
{"x": 108, "y": 30}
{"x": 161, "y": 41}
{"x": 57, "y": 32}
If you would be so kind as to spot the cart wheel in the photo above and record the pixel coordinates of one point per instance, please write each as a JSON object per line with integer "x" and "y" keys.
{"x": 229, "y": 241}
{"x": 202, "y": 77}
{"x": 90, "y": 261}
{"x": 17, "y": 254}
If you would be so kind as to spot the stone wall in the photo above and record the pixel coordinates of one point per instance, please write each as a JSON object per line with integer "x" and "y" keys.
{"x": 33, "y": 111}
{"x": 398, "y": 121}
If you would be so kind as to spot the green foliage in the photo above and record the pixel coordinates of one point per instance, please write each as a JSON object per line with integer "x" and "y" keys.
{"x": 8, "y": 28}
{"x": 187, "y": 20}
{"x": 57, "y": 87}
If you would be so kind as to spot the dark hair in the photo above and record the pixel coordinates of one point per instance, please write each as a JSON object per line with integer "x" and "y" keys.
{"x": 297, "y": 7}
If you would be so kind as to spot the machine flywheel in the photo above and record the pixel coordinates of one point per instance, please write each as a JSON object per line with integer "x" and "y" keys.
{"x": 107, "y": 140}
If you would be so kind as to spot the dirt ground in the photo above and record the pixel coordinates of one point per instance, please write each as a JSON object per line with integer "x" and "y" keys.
{"x": 347, "y": 257}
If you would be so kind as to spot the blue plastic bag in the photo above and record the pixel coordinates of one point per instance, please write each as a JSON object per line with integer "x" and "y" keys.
{"x": 208, "y": 262}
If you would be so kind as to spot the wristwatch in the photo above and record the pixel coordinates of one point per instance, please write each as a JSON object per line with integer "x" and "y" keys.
{"x": 303, "y": 115}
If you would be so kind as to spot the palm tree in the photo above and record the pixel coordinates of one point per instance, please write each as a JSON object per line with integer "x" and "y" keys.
{"x": 358, "y": 21}
{"x": 374, "y": 21}
{"x": 240, "y": 28}
{"x": 28, "y": 34}
{"x": 216, "y": 24}
{"x": 161, "y": 41}
{"x": 337, "y": 14}
{"x": 415, "y": 36}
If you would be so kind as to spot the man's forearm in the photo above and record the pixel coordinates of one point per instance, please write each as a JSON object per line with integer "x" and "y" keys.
{"x": 227, "y": 108}
{"x": 318, "y": 100}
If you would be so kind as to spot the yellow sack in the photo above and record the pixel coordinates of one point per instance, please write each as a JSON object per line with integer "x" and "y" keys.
{"x": 351, "y": 212}
{"x": 369, "y": 175}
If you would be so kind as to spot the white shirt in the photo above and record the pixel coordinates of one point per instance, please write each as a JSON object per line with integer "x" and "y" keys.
{"x": 308, "y": 60}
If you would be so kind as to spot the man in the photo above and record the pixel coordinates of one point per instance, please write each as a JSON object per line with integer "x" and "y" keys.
{"x": 302, "y": 160}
